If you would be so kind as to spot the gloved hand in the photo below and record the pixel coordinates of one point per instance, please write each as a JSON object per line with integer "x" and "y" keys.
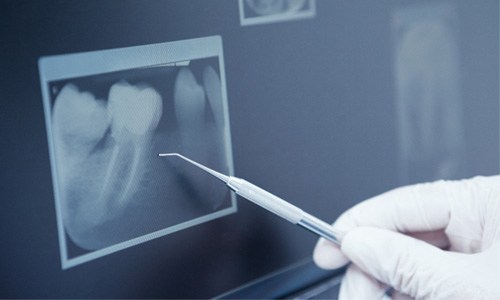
{"x": 435, "y": 240}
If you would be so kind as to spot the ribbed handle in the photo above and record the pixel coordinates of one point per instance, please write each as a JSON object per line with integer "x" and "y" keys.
{"x": 265, "y": 199}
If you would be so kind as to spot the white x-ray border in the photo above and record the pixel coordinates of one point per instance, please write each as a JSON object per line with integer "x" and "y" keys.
{"x": 52, "y": 68}
{"x": 280, "y": 17}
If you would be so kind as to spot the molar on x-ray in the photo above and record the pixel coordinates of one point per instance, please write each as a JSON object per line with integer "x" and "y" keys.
{"x": 431, "y": 130}
{"x": 106, "y": 130}
{"x": 254, "y": 12}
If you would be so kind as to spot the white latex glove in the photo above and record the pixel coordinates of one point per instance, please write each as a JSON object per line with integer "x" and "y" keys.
{"x": 396, "y": 239}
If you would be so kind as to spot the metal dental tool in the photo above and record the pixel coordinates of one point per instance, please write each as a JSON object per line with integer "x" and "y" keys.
{"x": 270, "y": 202}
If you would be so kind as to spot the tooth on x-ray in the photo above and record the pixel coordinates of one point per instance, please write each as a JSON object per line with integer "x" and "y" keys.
{"x": 134, "y": 112}
{"x": 101, "y": 172}
{"x": 82, "y": 129}
{"x": 190, "y": 99}
{"x": 212, "y": 87}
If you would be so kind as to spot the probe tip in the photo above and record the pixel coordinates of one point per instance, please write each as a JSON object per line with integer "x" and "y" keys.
{"x": 208, "y": 170}
{"x": 168, "y": 154}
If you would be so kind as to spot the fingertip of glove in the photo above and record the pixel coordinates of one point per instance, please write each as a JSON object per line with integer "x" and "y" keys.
{"x": 328, "y": 256}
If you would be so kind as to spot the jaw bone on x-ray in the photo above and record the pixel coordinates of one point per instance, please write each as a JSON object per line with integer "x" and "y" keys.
{"x": 428, "y": 94}
{"x": 107, "y": 129}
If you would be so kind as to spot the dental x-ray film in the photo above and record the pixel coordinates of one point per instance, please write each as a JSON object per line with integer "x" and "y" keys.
{"x": 428, "y": 96}
{"x": 253, "y": 12}
{"x": 108, "y": 115}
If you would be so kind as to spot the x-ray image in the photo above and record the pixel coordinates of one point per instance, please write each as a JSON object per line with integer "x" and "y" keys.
{"x": 428, "y": 96}
{"x": 109, "y": 114}
{"x": 254, "y": 12}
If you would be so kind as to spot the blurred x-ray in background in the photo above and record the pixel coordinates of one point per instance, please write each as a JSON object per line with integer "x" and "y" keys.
{"x": 428, "y": 96}
{"x": 253, "y": 12}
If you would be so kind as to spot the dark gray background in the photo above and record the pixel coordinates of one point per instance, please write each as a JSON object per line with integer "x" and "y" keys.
{"x": 312, "y": 114}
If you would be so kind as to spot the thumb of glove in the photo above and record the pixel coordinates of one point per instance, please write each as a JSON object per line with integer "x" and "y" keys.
{"x": 410, "y": 266}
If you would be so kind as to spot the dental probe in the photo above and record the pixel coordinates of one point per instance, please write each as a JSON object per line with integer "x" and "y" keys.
{"x": 270, "y": 202}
